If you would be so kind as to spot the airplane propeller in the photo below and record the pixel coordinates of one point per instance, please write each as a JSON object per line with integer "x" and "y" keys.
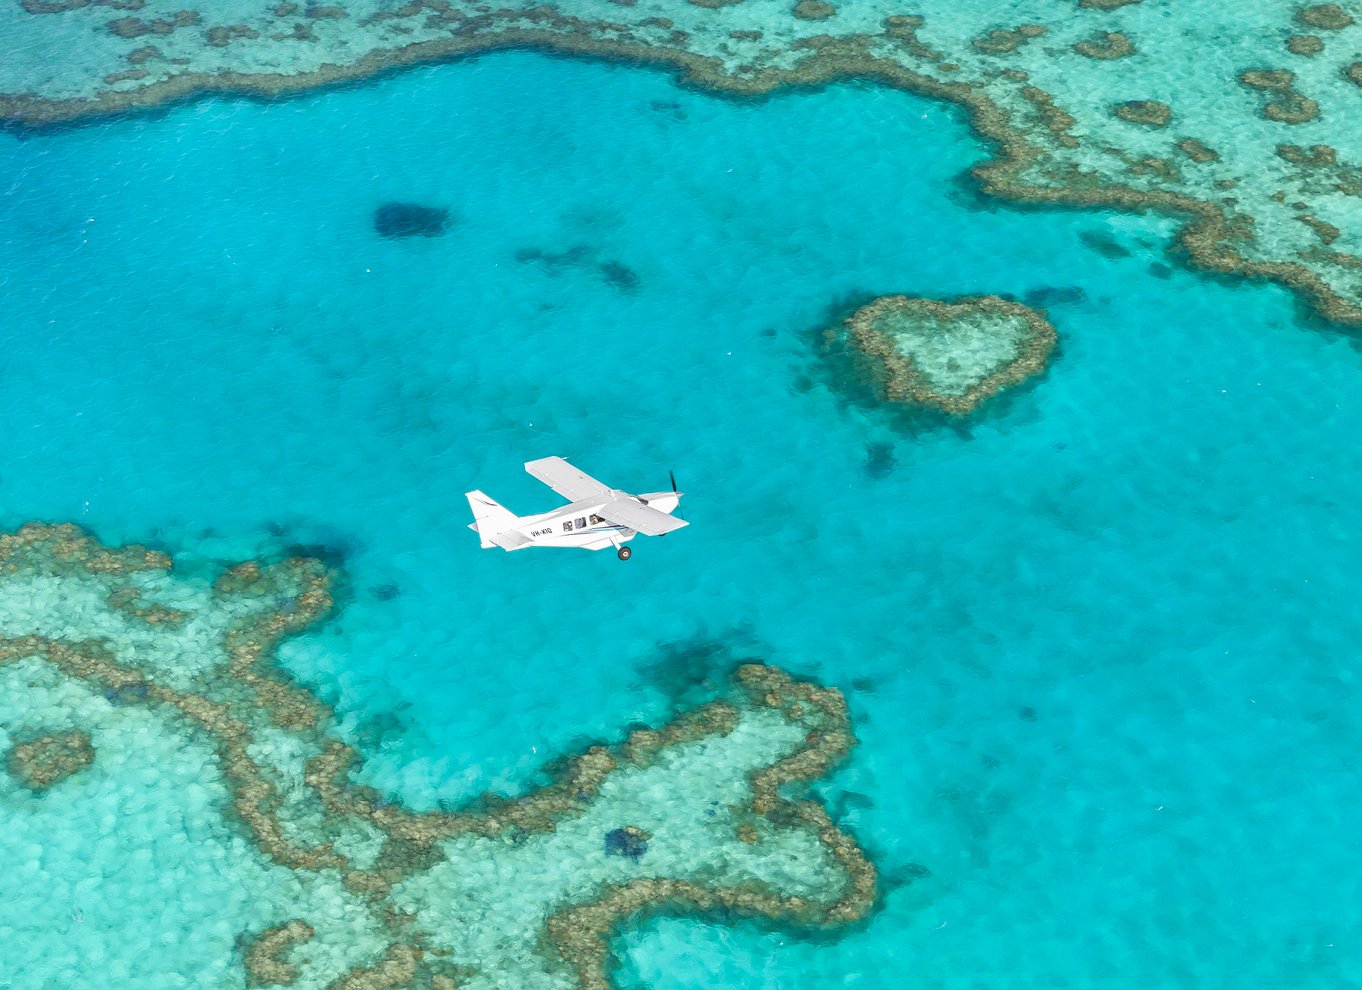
{"x": 671, "y": 476}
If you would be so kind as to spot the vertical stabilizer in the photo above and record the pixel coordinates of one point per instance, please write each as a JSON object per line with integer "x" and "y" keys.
{"x": 491, "y": 518}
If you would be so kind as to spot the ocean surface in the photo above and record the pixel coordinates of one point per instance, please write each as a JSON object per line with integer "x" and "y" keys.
{"x": 1099, "y": 641}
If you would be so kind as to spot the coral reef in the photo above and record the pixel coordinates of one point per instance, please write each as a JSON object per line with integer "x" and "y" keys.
{"x": 1105, "y": 46}
{"x": 1041, "y": 92}
{"x": 38, "y": 763}
{"x": 1149, "y": 112}
{"x": 952, "y": 355}
{"x": 264, "y": 965}
{"x": 700, "y": 813}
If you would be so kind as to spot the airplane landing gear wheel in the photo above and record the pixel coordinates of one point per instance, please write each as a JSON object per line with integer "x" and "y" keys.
{"x": 624, "y": 553}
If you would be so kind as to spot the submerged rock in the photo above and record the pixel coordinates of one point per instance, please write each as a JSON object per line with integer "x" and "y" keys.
{"x": 410, "y": 220}
{"x": 952, "y": 355}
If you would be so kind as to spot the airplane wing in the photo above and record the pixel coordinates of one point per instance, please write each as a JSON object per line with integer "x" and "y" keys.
{"x": 565, "y": 479}
{"x": 635, "y": 515}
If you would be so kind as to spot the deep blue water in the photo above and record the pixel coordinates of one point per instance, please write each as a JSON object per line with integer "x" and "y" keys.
{"x": 1099, "y": 644}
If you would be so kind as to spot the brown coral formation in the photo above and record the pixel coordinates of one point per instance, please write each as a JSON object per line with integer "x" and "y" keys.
{"x": 1150, "y": 113}
{"x": 135, "y": 27}
{"x": 1001, "y": 41}
{"x": 1284, "y": 104}
{"x": 1316, "y": 156}
{"x": 813, "y": 10}
{"x": 1197, "y": 151}
{"x": 145, "y": 54}
{"x": 127, "y": 75}
{"x": 878, "y": 330}
{"x": 128, "y": 601}
{"x": 1326, "y": 232}
{"x": 1204, "y": 240}
{"x": 579, "y": 932}
{"x": 1326, "y": 16}
{"x": 1055, "y": 119}
{"x": 903, "y": 28}
{"x": 265, "y": 965}
{"x": 1305, "y": 44}
{"x": 1106, "y": 46}
{"x": 252, "y": 694}
{"x": 222, "y": 35}
{"x": 1021, "y": 173}
{"x": 41, "y": 762}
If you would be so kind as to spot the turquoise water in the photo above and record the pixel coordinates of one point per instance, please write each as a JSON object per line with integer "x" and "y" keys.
{"x": 1098, "y": 644}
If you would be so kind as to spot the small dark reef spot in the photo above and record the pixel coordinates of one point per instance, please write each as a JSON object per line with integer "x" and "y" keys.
{"x": 410, "y": 220}
{"x": 1103, "y": 243}
{"x": 619, "y": 276}
{"x": 615, "y": 274}
{"x": 671, "y": 109}
{"x": 1054, "y": 295}
{"x": 879, "y": 460}
{"x": 629, "y": 842}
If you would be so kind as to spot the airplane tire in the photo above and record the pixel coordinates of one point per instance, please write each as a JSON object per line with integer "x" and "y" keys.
{"x": 624, "y": 553}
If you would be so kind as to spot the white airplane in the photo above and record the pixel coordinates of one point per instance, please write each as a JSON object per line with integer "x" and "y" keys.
{"x": 595, "y": 518}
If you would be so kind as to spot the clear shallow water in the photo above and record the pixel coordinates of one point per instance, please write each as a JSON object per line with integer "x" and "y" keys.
{"x": 1099, "y": 645}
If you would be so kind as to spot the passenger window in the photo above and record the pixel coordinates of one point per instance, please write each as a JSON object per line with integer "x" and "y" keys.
{"x": 567, "y": 526}
{"x": 581, "y": 524}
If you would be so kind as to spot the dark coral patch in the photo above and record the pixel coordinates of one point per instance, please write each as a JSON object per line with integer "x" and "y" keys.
{"x": 879, "y": 460}
{"x": 813, "y": 10}
{"x": 41, "y": 762}
{"x": 629, "y": 842}
{"x": 1104, "y": 244}
{"x": 410, "y": 220}
{"x": 619, "y": 276}
{"x": 1150, "y": 113}
{"x": 1060, "y": 295}
{"x": 1328, "y": 16}
{"x": 1105, "y": 47}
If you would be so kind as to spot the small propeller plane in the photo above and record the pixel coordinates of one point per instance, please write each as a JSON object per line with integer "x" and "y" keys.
{"x": 595, "y": 518}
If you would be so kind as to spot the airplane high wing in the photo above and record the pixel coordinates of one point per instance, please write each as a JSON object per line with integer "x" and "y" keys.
{"x": 640, "y": 517}
{"x": 565, "y": 479}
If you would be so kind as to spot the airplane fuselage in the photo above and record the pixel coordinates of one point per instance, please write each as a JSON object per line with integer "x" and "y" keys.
{"x": 579, "y": 524}
{"x": 595, "y": 517}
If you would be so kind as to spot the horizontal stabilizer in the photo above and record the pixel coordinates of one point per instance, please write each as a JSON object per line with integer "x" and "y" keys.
{"x": 511, "y": 539}
{"x": 640, "y": 517}
{"x": 565, "y": 479}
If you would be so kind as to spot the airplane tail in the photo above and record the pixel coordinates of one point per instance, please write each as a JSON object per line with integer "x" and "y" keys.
{"x": 491, "y": 518}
